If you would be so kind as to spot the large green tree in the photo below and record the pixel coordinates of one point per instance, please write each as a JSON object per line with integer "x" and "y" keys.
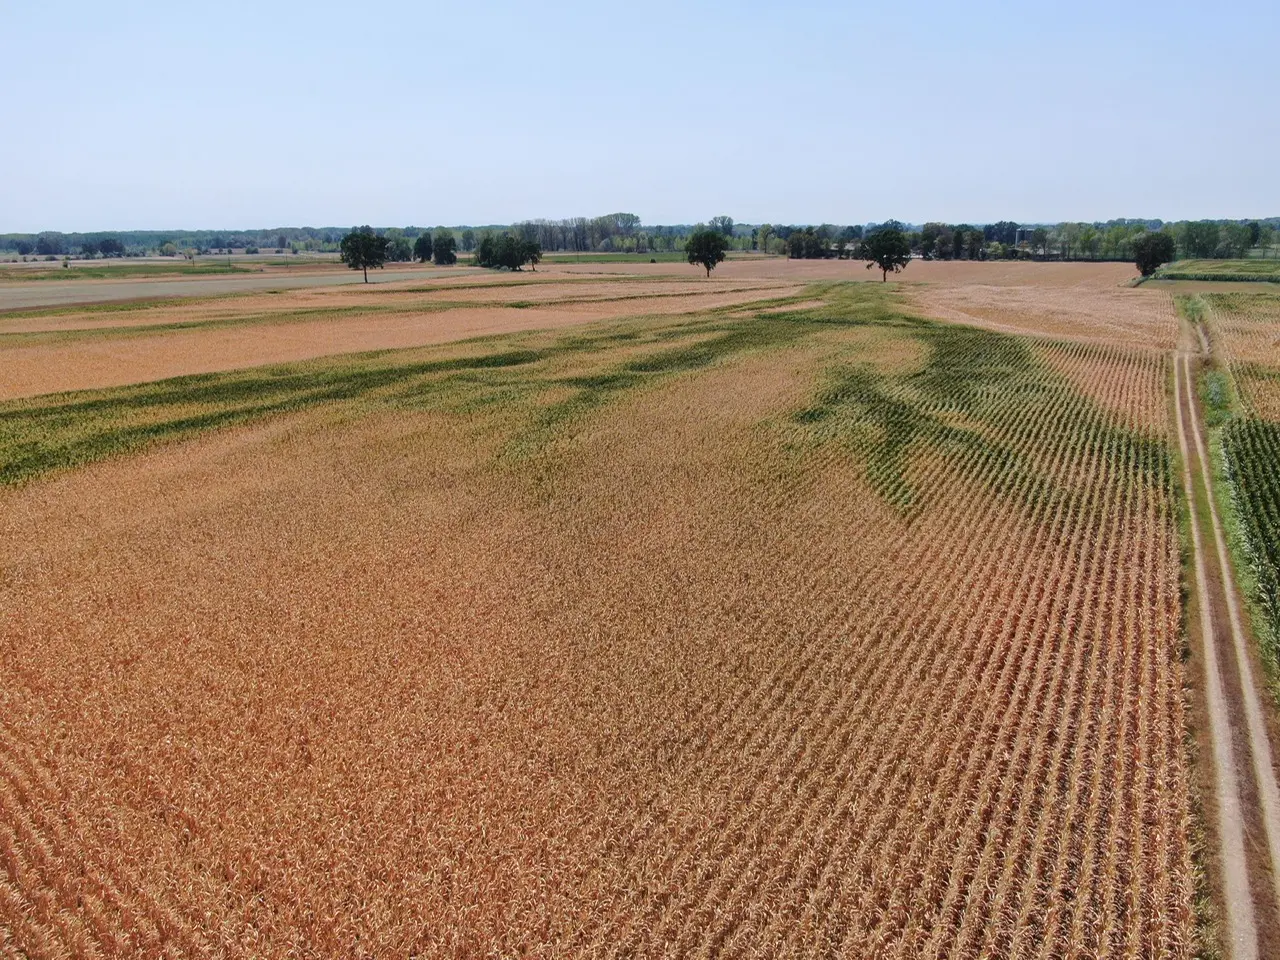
{"x": 1152, "y": 249}
{"x": 887, "y": 248}
{"x": 422, "y": 247}
{"x": 1040, "y": 240}
{"x": 444, "y": 249}
{"x": 362, "y": 249}
{"x": 705, "y": 248}
{"x": 723, "y": 224}
{"x": 1200, "y": 238}
{"x": 399, "y": 250}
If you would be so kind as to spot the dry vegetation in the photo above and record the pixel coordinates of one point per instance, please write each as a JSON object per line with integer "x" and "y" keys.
{"x": 1137, "y": 317}
{"x": 48, "y": 351}
{"x": 1247, "y": 326}
{"x": 828, "y": 632}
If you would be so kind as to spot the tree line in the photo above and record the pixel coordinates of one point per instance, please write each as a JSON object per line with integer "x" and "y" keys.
{"x": 1008, "y": 240}
{"x": 886, "y": 246}
{"x": 624, "y": 233}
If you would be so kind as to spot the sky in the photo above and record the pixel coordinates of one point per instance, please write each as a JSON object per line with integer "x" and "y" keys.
{"x": 240, "y": 115}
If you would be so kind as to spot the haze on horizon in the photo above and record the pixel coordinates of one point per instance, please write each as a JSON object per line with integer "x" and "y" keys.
{"x": 160, "y": 116}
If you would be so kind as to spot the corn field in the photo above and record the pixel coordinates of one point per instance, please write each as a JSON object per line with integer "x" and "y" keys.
{"x": 829, "y": 632}
{"x": 1248, "y": 325}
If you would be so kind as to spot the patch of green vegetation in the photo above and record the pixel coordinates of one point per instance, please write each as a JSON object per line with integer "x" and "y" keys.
{"x": 1249, "y": 461}
{"x": 65, "y": 430}
{"x": 1266, "y": 271}
{"x": 1191, "y": 307}
{"x": 957, "y": 405}
{"x": 1215, "y": 397}
{"x": 124, "y": 306}
{"x": 118, "y": 271}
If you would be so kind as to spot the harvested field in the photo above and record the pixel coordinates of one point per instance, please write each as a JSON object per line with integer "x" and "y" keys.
{"x": 991, "y": 273}
{"x": 54, "y": 351}
{"x": 825, "y": 632}
{"x": 1086, "y": 312}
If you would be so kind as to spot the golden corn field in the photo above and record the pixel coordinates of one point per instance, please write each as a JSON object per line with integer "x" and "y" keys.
{"x": 788, "y": 625}
{"x": 1247, "y": 325}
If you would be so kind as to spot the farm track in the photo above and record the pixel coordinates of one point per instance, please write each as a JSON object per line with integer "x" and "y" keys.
{"x": 1248, "y": 795}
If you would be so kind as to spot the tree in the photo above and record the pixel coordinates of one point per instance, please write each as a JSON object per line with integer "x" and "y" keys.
{"x": 1200, "y": 239}
{"x": 398, "y": 250}
{"x": 1087, "y": 242}
{"x": 1255, "y": 233}
{"x": 1003, "y": 231}
{"x": 706, "y": 248}
{"x": 1040, "y": 238}
{"x": 929, "y": 235}
{"x": 807, "y": 244}
{"x": 1233, "y": 240}
{"x": 422, "y": 247}
{"x": 942, "y": 246}
{"x": 1267, "y": 239}
{"x": 1152, "y": 249}
{"x": 888, "y": 248}
{"x": 468, "y": 239}
{"x": 507, "y": 251}
{"x": 763, "y": 233}
{"x": 444, "y": 249}
{"x": 362, "y": 249}
{"x": 723, "y": 224}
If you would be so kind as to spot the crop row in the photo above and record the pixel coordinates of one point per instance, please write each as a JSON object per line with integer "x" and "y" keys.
{"x": 1251, "y": 450}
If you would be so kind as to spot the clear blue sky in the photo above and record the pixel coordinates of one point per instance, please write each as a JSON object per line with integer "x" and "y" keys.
{"x": 229, "y": 115}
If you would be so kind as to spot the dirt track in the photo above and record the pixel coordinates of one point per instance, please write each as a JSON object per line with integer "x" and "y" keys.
{"x": 1246, "y": 793}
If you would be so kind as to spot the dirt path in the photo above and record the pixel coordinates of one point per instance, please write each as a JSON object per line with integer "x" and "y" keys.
{"x": 1246, "y": 792}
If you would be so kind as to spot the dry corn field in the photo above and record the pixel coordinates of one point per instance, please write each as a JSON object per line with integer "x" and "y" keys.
{"x": 791, "y": 624}
{"x": 1247, "y": 327}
